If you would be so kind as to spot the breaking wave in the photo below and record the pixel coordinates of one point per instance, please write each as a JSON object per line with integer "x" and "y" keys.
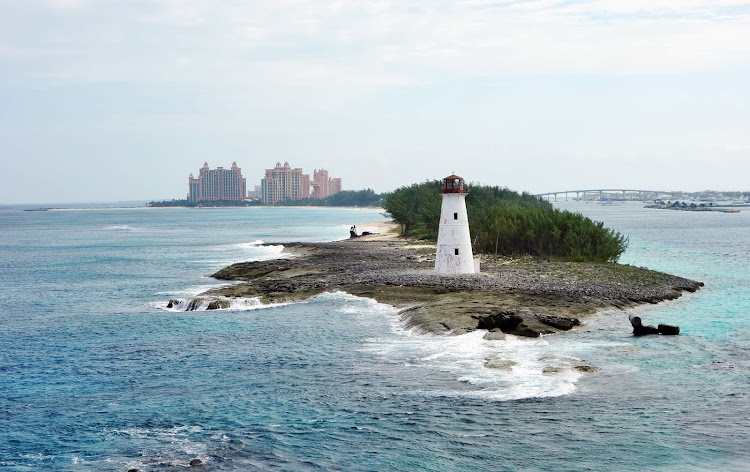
{"x": 509, "y": 369}
{"x": 212, "y": 303}
{"x": 247, "y": 251}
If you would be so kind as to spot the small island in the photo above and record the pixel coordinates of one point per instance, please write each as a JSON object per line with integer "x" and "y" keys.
{"x": 685, "y": 206}
{"x": 524, "y": 296}
{"x": 542, "y": 271}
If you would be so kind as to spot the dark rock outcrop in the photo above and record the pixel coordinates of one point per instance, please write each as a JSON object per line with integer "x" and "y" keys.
{"x": 505, "y": 321}
{"x": 526, "y": 331}
{"x": 173, "y": 303}
{"x": 194, "y": 304}
{"x": 525, "y": 323}
{"x": 668, "y": 329}
{"x": 639, "y": 329}
{"x": 218, "y": 304}
{"x": 196, "y": 462}
{"x": 560, "y": 322}
{"x": 645, "y": 330}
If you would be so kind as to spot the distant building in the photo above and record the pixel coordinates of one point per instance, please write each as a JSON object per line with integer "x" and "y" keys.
{"x": 254, "y": 194}
{"x": 320, "y": 183}
{"x": 282, "y": 183}
{"x": 305, "y": 185}
{"x": 334, "y": 185}
{"x": 323, "y": 185}
{"x": 194, "y": 189}
{"x": 217, "y": 184}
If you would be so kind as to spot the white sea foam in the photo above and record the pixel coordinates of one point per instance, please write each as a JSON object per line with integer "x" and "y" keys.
{"x": 469, "y": 358}
{"x": 235, "y": 304}
{"x": 529, "y": 367}
{"x": 195, "y": 290}
{"x": 234, "y": 246}
{"x": 532, "y": 367}
{"x": 247, "y": 251}
{"x": 176, "y": 443}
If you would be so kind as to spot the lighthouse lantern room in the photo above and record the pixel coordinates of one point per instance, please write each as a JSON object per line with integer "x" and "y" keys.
{"x": 454, "y": 254}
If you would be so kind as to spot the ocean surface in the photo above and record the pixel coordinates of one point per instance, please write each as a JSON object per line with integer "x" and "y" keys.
{"x": 97, "y": 375}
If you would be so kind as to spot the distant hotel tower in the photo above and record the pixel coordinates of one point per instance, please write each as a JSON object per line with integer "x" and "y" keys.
{"x": 217, "y": 184}
{"x": 320, "y": 183}
{"x": 284, "y": 183}
{"x": 255, "y": 193}
{"x": 334, "y": 185}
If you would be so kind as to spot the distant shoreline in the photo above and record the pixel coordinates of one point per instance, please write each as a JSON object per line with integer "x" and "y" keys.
{"x": 146, "y": 207}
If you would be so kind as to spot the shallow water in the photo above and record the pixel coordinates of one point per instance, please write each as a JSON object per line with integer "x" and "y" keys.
{"x": 97, "y": 376}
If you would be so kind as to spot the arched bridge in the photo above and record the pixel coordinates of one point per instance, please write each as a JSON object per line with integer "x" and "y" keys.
{"x": 592, "y": 194}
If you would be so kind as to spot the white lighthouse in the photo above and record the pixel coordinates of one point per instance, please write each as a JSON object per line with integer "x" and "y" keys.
{"x": 454, "y": 255}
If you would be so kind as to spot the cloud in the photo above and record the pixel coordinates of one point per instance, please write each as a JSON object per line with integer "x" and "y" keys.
{"x": 737, "y": 147}
{"x": 369, "y": 43}
{"x": 384, "y": 83}
{"x": 68, "y": 4}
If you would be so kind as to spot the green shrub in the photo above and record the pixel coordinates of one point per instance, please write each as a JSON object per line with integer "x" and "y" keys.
{"x": 509, "y": 223}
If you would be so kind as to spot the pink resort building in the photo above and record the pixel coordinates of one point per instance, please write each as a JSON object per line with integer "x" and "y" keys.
{"x": 217, "y": 184}
{"x": 255, "y": 193}
{"x": 282, "y": 183}
{"x": 334, "y": 185}
{"x": 285, "y": 183}
{"x": 320, "y": 183}
{"x": 323, "y": 185}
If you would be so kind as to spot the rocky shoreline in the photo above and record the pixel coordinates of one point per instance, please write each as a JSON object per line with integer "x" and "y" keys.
{"x": 525, "y": 297}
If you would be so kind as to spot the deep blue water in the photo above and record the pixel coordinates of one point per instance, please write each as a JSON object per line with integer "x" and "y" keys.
{"x": 96, "y": 375}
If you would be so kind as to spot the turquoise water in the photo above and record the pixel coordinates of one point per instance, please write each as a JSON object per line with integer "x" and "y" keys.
{"x": 96, "y": 375}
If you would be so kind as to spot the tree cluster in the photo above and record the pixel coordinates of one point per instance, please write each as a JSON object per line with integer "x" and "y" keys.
{"x": 212, "y": 203}
{"x": 504, "y": 222}
{"x": 345, "y": 198}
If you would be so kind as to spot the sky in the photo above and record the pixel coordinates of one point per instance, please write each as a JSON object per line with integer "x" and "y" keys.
{"x": 107, "y": 100}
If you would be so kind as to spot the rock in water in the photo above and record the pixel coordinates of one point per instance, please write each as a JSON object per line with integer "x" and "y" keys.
{"x": 645, "y": 330}
{"x": 507, "y": 321}
{"x": 216, "y": 304}
{"x": 639, "y": 329}
{"x": 486, "y": 323}
{"x": 504, "y": 321}
{"x": 494, "y": 335}
{"x": 526, "y": 331}
{"x": 194, "y": 304}
{"x": 560, "y": 322}
{"x": 196, "y": 462}
{"x": 498, "y": 363}
{"x": 669, "y": 329}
